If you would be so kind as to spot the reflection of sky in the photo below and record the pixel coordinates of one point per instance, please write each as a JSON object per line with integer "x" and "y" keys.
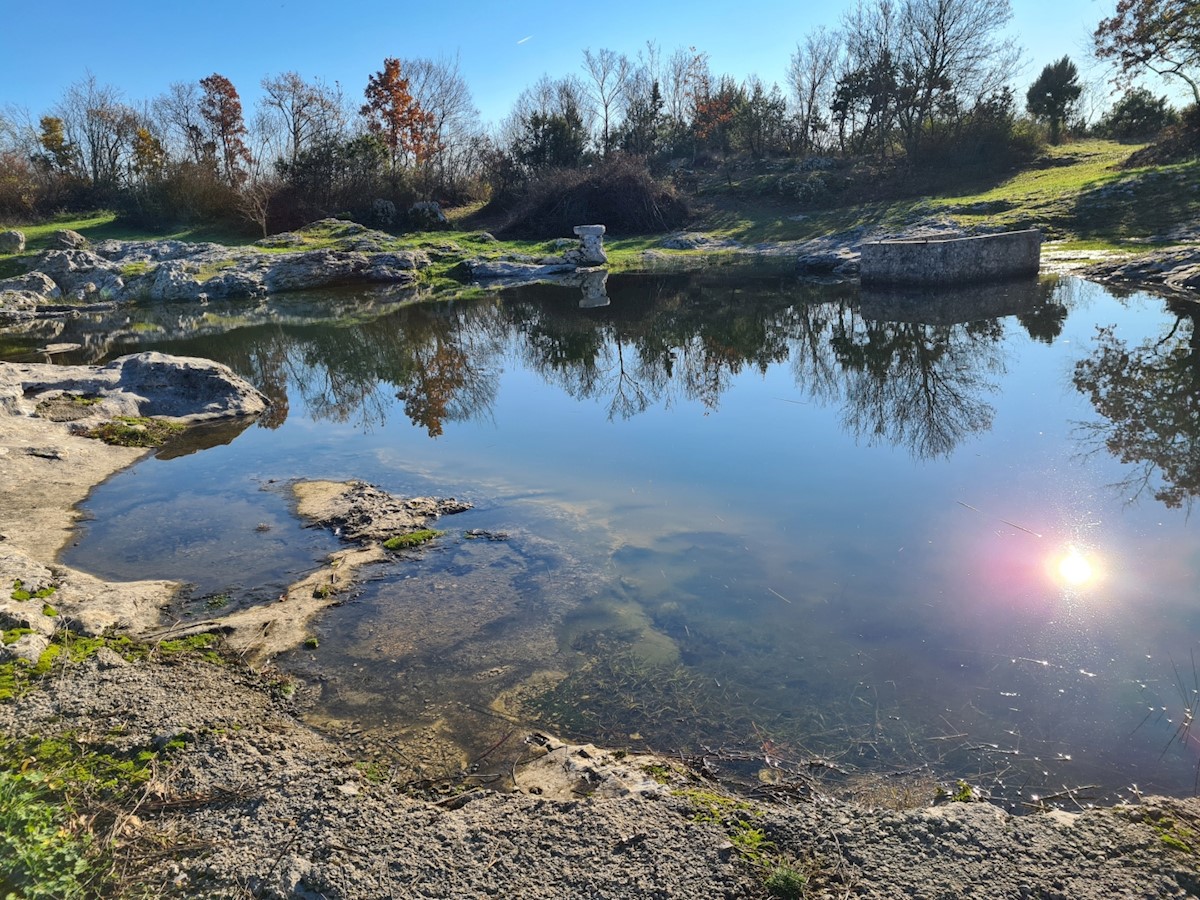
{"x": 938, "y": 576}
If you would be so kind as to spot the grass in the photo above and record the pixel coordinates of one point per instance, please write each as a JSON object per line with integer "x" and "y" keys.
{"x": 1075, "y": 192}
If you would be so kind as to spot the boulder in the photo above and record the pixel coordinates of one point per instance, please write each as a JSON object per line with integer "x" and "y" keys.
{"x": 841, "y": 261}
{"x": 12, "y": 242}
{"x": 145, "y": 384}
{"x": 33, "y": 283}
{"x": 81, "y": 274}
{"x": 384, "y": 212}
{"x": 491, "y": 269}
{"x": 19, "y": 304}
{"x": 66, "y": 239}
{"x": 427, "y": 215}
{"x": 28, "y": 647}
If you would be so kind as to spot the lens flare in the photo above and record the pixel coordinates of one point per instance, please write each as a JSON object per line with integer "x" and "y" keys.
{"x": 1075, "y": 569}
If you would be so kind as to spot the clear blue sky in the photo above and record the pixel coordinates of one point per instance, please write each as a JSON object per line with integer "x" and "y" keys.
{"x": 141, "y": 46}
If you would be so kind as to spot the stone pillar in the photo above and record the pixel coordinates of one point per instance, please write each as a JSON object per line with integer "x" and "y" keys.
{"x": 595, "y": 289}
{"x": 591, "y": 246}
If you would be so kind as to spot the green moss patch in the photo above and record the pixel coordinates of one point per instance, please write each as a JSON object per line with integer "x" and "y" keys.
{"x": 412, "y": 539}
{"x": 136, "y": 431}
{"x": 20, "y": 592}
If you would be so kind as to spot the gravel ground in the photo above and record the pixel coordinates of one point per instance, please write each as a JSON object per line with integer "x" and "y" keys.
{"x": 259, "y": 804}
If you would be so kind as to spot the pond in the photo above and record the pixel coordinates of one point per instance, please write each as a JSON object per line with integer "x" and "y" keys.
{"x": 726, "y": 513}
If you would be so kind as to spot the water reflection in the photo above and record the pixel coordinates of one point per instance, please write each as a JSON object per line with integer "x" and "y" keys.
{"x": 1148, "y": 397}
{"x": 715, "y": 539}
{"x": 913, "y": 371}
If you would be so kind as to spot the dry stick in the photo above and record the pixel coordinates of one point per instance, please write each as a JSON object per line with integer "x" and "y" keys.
{"x": 1005, "y": 521}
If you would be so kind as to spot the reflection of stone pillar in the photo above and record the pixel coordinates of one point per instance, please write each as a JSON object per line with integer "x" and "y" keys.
{"x": 595, "y": 288}
{"x": 591, "y": 246}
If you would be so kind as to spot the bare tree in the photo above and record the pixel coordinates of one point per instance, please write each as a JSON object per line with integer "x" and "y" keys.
{"x": 304, "y": 111}
{"x": 102, "y": 126}
{"x": 177, "y": 113}
{"x": 811, "y": 75}
{"x": 439, "y": 87}
{"x": 951, "y": 57}
{"x": 609, "y": 74}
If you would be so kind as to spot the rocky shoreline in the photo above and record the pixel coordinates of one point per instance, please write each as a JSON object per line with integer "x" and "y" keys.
{"x": 252, "y": 801}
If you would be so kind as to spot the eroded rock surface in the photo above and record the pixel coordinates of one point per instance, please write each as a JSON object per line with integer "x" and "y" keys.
{"x": 1177, "y": 269}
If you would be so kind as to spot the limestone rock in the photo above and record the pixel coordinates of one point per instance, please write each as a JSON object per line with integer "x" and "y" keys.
{"x": 691, "y": 240}
{"x": 18, "y": 305}
{"x": 12, "y": 241}
{"x": 66, "y": 239}
{"x": 81, "y": 274}
{"x": 840, "y": 261}
{"x": 361, "y": 512}
{"x": 28, "y": 647}
{"x": 34, "y": 283}
{"x": 492, "y": 269}
{"x": 427, "y": 215}
{"x": 569, "y": 771}
{"x": 384, "y": 211}
{"x": 145, "y": 384}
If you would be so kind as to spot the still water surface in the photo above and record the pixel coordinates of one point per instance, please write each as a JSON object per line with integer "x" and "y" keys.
{"x": 949, "y": 534}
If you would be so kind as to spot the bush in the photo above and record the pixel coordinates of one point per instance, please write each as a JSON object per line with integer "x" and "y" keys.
{"x": 619, "y": 193}
{"x": 1176, "y": 143}
{"x": 1138, "y": 114}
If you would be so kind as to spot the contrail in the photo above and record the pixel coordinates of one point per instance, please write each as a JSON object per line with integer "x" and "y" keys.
{"x": 524, "y": 39}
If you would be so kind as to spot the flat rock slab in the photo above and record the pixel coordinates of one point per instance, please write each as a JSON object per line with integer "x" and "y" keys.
{"x": 362, "y": 513}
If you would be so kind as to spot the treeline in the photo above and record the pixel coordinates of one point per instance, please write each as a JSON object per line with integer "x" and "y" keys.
{"x": 909, "y": 84}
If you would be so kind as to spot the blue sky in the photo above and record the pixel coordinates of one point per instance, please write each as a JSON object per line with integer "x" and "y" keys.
{"x": 141, "y": 46}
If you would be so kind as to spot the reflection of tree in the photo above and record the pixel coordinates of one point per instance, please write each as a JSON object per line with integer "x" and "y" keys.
{"x": 1044, "y": 322}
{"x": 918, "y": 385}
{"x": 663, "y": 340}
{"x": 1149, "y": 397}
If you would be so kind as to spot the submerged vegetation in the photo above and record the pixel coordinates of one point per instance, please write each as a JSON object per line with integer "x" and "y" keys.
{"x": 136, "y": 431}
{"x": 411, "y": 539}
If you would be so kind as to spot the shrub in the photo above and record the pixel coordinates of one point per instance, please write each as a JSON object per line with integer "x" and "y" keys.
{"x": 619, "y": 193}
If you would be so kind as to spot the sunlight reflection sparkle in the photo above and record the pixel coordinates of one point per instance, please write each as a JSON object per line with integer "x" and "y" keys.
{"x": 1075, "y": 569}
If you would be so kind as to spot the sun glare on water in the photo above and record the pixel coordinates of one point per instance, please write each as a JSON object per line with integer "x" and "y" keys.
{"x": 1075, "y": 569}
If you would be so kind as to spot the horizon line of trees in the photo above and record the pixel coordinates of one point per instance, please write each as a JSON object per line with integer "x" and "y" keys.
{"x": 923, "y": 82}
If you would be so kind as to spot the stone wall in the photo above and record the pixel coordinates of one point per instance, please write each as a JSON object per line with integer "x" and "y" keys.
{"x": 952, "y": 261}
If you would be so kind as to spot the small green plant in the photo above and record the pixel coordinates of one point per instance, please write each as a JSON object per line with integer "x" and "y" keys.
{"x": 41, "y": 856}
{"x": 658, "y": 772}
{"x": 136, "y": 431}
{"x": 217, "y": 601}
{"x": 411, "y": 539}
{"x": 50, "y": 611}
{"x": 201, "y": 644}
{"x": 786, "y": 882}
{"x": 372, "y": 771}
{"x": 311, "y": 643}
{"x": 963, "y": 792}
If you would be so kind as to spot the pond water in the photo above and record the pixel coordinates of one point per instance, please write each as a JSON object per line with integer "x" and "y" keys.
{"x": 727, "y": 512}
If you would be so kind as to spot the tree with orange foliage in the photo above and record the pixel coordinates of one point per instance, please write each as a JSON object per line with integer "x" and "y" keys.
{"x": 396, "y": 117}
{"x": 221, "y": 108}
